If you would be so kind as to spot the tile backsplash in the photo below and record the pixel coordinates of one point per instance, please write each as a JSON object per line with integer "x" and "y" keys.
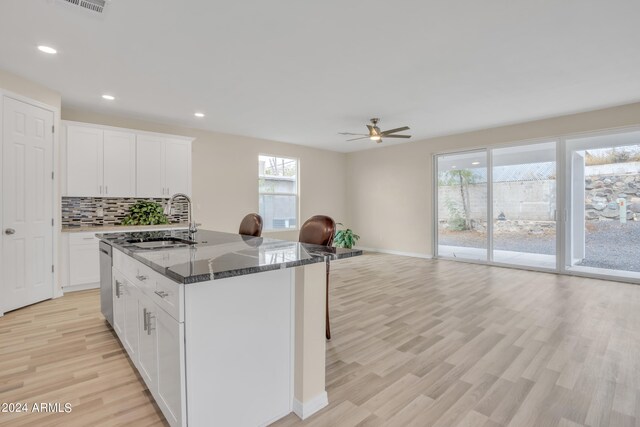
{"x": 96, "y": 211}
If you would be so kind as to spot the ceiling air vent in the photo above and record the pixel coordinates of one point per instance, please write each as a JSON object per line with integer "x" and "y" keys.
{"x": 94, "y": 5}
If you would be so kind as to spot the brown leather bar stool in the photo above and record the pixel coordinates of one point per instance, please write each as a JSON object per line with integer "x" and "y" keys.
{"x": 251, "y": 225}
{"x": 320, "y": 230}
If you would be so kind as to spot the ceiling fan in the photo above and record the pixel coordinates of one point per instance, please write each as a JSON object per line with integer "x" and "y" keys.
{"x": 375, "y": 134}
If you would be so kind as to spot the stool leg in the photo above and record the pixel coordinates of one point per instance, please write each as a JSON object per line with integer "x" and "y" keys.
{"x": 328, "y": 327}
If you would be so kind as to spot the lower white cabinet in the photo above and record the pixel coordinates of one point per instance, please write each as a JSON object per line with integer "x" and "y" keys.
{"x": 84, "y": 260}
{"x": 148, "y": 358}
{"x": 131, "y": 318}
{"x": 152, "y": 337}
{"x": 118, "y": 303}
{"x": 170, "y": 360}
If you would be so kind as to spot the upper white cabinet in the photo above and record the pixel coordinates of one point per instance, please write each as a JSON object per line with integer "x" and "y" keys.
{"x": 163, "y": 166}
{"x": 150, "y": 166}
{"x": 84, "y": 161}
{"x": 119, "y": 164}
{"x": 177, "y": 167}
{"x": 112, "y": 162}
{"x": 100, "y": 163}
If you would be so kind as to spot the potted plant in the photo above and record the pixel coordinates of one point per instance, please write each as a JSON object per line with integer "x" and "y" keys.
{"x": 345, "y": 238}
{"x": 145, "y": 212}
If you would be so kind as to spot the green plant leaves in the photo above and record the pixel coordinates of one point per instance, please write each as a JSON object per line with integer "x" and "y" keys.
{"x": 145, "y": 212}
{"x": 345, "y": 238}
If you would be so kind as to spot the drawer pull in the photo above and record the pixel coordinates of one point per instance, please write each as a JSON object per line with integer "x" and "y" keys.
{"x": 144, "y": 318}
{"x": 161, "y": 294}
{"x": 141, "y": 278}
{"x": 149, "y": 317}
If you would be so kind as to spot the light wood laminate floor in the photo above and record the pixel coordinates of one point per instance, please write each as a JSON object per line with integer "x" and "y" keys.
{"x": 415, "y": 342}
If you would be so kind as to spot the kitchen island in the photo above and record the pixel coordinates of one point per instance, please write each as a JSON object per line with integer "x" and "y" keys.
{"x": 224, "y": 329}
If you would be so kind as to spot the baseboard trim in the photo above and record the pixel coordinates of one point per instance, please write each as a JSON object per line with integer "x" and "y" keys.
{"x": 305, "y": 410}
{"x": 84, "y": 287}
{"x": 392, "y": 252}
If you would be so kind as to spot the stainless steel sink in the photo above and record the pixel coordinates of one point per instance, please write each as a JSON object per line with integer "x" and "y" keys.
{"x": 160, "y": 242}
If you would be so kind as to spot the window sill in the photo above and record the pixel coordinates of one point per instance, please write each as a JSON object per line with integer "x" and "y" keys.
{"x": 282, "y": 230}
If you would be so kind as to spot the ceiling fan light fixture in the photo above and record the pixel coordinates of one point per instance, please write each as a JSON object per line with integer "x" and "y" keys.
{"x": 375, "y": 137}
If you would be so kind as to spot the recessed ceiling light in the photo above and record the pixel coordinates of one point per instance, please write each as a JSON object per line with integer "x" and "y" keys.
{"x": 108, "y": 97}
{"x": 475, "y": 163}
{"x": 47, "y": 49}
{"x": 200, "y": 115}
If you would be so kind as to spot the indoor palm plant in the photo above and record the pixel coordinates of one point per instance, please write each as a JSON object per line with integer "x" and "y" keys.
{"x": 345, "y": 238}
{"x": 145, "y": 212}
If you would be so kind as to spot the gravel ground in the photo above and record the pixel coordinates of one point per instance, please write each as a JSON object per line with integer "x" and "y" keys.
{"x": 609, "y": 244}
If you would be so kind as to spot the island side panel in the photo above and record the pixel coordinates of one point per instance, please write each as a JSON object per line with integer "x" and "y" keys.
{"x": 310, "y": 342}
{"x": 239, "y": 347}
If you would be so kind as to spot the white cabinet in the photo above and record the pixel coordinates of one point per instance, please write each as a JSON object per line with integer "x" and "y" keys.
{"x": 153, "y": 338}
{"x": 131, "y": 319}
{"x": 84, "y": 260}
{"x": 177, "y": 175}
{"x": 149, "y": 166}
{"x": 170, "y": 333}
{"x": 100, "y": 163}
{"x": 148, "y": 353}
{"x": 163, "y": 166}
{"x": 118, "y": 302}
{"x": 119, "y": 155}
{"x": 84, "y": 161}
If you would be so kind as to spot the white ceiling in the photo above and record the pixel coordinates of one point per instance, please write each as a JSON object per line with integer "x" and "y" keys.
{"x": 300, "y": 72}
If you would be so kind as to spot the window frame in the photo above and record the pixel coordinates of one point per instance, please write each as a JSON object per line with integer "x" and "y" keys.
{"x": 267, "y": 228}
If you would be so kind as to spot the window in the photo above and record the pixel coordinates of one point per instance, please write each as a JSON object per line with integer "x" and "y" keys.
{"x": 278, "y": 192}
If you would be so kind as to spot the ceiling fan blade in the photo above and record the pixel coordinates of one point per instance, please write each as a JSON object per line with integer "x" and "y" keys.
{"x": 397, "y": 136}
{"x": 372, "y": 130}
{"x": 362, "y": 137}
{"x": 387, "y": 132}
{"x": 350, "y": 133}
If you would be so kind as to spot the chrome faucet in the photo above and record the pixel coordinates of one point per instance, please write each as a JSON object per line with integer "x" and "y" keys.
{"x": 167, "y": 210}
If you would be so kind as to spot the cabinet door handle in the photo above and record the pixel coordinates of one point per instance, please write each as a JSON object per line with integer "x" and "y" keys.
{"x": 106, "y": 189}
{"x": 161, "y": 294}
{"x": 100, "y": 189}
{"x": 141, "y": 278}
{"x": 144, "y": 318}
{"x": 149, "y": 317}
{"x": 117, "y": 289}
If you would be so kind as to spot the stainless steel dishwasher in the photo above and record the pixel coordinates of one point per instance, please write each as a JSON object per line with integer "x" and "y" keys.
{"x": 106, "y": 293}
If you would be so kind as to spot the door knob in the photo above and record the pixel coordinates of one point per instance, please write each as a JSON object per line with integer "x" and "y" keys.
{"x": 9, "y": 231}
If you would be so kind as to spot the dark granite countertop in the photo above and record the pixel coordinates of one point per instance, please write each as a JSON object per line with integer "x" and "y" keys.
{"x": 218, "y": 255}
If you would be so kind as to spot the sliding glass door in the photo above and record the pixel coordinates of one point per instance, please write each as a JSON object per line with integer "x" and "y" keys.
{"x": 603, "y": 228}
{"x": 524, "y": 205}
{"x": 462, "y": 205}
{"x": 516, "y": 188}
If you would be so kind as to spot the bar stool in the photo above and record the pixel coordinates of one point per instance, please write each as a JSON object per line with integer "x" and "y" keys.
{"x": 251, "y": 225}
{"x": 320, "y": 230}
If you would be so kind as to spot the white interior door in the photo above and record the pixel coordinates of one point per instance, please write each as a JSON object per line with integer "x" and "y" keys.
{"x": 27, "y": 210}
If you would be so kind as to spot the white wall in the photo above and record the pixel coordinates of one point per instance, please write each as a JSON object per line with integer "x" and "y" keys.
{"x": 225, "y": 173}
{"x": 21, "y": 86}
{"x": 390, "y": 187}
